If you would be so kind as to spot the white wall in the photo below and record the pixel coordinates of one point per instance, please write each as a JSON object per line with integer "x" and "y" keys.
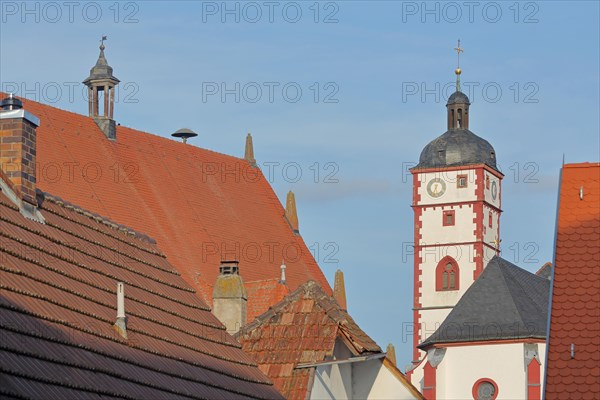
{"x": 503, "y": 363}
{"x": 433, "y": 231}
{"x": 452, "y": 194}
{"x": 369, "y": 380}
{"x": 488, "y": 192}
{"x": 358, "y": 380}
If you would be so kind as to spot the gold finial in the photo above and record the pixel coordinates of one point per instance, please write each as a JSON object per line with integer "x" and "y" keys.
{"x": 457, "y": 71}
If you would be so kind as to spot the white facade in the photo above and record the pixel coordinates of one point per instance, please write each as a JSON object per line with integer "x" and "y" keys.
{"x": 468, "y": 238}
{"x": 366, "y": 379}
{"x": 505, "y": 364}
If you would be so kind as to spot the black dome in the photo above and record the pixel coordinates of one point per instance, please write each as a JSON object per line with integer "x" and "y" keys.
{"x": 457, "y": 147}
{"x": 458, "y": 97}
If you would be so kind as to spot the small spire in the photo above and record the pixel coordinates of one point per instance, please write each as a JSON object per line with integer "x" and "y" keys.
{"x": 458, "y": 71}
{"x": 249, "y": 153}
{"x": 390, "y": 353}
{"x": 290, "y": 211}
{"x": 283, "y": 267}
{"x": 339, "y": 289}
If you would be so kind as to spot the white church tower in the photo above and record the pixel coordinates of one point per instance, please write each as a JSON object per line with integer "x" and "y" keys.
{"x": 479, "y": 320}
{"x": 457, "y": 206}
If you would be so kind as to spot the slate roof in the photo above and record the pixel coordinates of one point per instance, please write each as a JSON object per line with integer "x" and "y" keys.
{"x": 575, "y": 313}
{"x": 505, "y": 302}
{"x": 302, "y": 328}
{"x": 179, "y": 194}
{"x": 545, "y": 271}
{"x": 457, "y": 147}
{"x": 58, "y": 305}
{"x": 458, "y": 97}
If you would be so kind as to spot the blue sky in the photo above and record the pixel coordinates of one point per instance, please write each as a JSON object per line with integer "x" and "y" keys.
{"x": 363, "y": 116}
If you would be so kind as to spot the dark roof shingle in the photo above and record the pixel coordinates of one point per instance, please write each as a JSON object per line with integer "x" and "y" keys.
{"x": 505, "y": 302}
{"x": 58, "y": 305}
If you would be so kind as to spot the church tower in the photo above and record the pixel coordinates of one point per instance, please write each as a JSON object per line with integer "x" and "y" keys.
{"x": 456, "y": 204}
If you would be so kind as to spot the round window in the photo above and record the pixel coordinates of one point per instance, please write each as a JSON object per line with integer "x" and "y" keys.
{"x": 485, "y": 389}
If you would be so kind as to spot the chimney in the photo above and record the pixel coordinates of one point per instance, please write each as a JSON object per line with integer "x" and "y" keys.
{"x": 17, "y": 149}
{"x": 121, "y": 323}
{"x": 249, "y": 153}
{"x": 229, "y": 297}
{"x": 290, "y": 211}
{"x": 339, "y": 289}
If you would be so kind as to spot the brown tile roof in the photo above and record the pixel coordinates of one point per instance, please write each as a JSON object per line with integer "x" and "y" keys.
{"x": 302, "y": 328}
{"x": 185, "y": 197}
{"x": 58, "y": 306}
{"x": 575, "y": 302}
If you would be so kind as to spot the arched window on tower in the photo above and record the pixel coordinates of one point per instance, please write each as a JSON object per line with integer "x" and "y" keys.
{"x": 453, "y": 118}
{"x": 447, "y": 275}
{"x": 459, "y": 121}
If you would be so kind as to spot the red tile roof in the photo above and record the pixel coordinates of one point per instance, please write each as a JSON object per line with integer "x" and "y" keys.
{"x": 302, "y": 328}
{"x": 58, "y": 304}
{"x": 185, "y": 197}
{"x": 575, "y": 309}
{"x": 265, "y": 294}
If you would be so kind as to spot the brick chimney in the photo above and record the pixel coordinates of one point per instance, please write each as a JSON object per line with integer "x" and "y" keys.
{"x": 229, "y": 297}
{"x": 17, "y": 149}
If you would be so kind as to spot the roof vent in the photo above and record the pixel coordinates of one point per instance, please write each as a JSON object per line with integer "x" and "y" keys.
{"x": 283, "y": 267}
{"x": 121, "y": 323}
{"x": 184, "y": 134}
{"x": 229, "y": 268}
{"x": 11, "y": 103}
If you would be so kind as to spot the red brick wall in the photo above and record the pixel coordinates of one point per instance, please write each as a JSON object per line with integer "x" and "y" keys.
{"x": 17, "y": 155}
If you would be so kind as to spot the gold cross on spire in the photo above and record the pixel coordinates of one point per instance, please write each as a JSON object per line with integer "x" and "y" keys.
{"x": 458, "y": 51}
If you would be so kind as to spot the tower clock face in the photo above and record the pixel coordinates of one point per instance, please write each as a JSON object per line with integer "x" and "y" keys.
{"x": 494, "y": 190}
{"x": 436, "y": 187}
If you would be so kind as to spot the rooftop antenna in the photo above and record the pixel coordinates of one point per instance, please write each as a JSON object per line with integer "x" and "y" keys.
{"x": 458, "y": 50}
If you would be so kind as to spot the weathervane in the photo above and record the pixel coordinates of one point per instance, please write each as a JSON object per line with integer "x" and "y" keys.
{"x": 104, "y": 37}
{"x": 458, "y": 70}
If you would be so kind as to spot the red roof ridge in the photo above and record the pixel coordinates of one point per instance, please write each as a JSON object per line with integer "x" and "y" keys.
{"x": 187, "y": 145}
{"x": 582, "y": 165}
{"x": 262, "y": 280}
{"x": 25, "y": 100}
{"x": 119, "y": 126}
